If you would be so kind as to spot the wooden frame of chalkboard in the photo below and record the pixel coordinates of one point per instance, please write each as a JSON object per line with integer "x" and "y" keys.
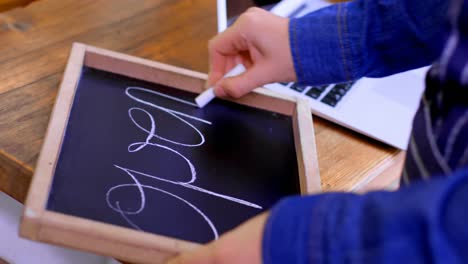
{"x": 39, "y": 223}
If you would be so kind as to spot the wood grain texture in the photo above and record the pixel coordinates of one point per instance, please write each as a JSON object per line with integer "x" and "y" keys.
{"x": 176, "y": 32}
{"x": 385, "y": 176}
{"x": 40, "y": 185}
{"x": 9, "y": 4}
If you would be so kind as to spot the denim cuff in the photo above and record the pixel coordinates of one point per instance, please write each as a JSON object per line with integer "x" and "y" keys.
{"x": 320, "y": 47}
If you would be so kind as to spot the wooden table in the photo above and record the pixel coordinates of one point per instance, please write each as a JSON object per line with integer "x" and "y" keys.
{"x": 35, "y": 42}
{"x": 9, "y": 4}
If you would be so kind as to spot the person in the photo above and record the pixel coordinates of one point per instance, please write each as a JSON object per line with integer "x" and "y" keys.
{"x": 421, "y": 222}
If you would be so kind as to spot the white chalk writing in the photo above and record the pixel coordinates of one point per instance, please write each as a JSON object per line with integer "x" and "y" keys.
{"x": 152, "y": 137}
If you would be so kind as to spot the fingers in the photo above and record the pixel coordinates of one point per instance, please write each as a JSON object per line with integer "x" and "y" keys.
{"x": 258, "y": 40}
{"x": 217, "y": 68}
{"x": 222, "y": 49}
{"x": 229, "y": 62}
{"x": 242, "y": 84}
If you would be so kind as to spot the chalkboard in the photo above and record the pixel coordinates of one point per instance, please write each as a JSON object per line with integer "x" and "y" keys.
{"x": 142, "y": 155}
{"x": 131, "y": 168}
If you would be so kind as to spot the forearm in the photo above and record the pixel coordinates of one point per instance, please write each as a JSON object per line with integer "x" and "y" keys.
{"x": 372, "y": 38}
{"x": 422, "y": 223}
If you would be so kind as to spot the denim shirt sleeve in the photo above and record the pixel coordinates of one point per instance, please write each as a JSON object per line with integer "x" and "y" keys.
{"x": 366, "y": 38}
{"x": 423, "y": 223}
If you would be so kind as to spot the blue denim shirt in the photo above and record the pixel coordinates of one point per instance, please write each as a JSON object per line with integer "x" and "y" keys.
{"x": 372, "y": 38}
{"x": 421, "y": 222}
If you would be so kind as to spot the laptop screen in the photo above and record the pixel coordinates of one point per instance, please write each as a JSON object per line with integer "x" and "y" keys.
{"x": 237, "y": 7}
{"x": 229, "y": 10}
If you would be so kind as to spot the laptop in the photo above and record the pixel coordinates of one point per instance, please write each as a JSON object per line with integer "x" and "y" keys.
{"x": 381, "y": 108}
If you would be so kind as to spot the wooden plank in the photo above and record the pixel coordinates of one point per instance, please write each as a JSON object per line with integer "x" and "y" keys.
{"x": 123, "y": 35}
{"x": 180, "y": 78}
{"x": 45, "y": 21}
{"x": 40, "y": 185}
{"x": 105, "y": 239}
{"x": 147, "y": 70}
{"x": 306, "y": 151}
{"x": 347, "y": 158}
{"x": 12, "y": 176}
{"x": 23, "y": 120}
{"x": 384, "y": 177}
{"x": 9, "y": 4}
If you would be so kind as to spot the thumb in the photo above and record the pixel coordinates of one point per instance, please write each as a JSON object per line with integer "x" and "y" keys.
{"x": 242, "y": 84}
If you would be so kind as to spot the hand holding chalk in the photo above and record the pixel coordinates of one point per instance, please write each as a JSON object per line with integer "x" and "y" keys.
{"x": 208, "y": 95}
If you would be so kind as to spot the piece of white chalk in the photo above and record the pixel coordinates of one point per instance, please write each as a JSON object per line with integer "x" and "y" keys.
{"x": 208, "y": 95}
{"x": 205, "y": 97}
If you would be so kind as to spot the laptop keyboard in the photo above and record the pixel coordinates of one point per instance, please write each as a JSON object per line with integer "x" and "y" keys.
{"x": 316, "y": 91}
{"x": 330, "y": 96}
{"x": 298, "y": 88}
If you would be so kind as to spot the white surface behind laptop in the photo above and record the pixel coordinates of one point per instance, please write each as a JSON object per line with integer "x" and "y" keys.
{"x": 17, "y": 250}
